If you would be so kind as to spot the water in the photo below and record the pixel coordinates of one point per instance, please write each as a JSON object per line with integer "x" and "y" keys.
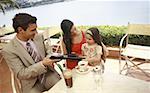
{"x": 87, "y": 13}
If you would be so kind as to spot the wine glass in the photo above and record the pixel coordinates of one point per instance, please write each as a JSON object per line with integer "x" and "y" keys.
{"x": 97, "y": 76}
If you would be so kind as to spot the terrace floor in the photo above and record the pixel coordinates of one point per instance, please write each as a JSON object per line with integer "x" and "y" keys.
{"x": 112, "y": 66}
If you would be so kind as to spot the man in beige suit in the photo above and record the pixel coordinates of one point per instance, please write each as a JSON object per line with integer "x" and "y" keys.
{"x": 26, "y": 56}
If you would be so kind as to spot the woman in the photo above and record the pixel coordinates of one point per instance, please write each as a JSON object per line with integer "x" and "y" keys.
{"x": 72, "y": 41}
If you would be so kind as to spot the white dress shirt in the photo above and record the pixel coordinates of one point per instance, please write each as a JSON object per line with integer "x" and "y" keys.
{"x": 23, "y": 43}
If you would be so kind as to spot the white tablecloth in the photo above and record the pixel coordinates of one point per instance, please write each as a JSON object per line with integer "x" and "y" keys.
{"x": 110, "y": 83}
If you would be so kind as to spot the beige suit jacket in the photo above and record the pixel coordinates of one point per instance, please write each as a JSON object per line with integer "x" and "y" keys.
{"x": 22, "y": 64}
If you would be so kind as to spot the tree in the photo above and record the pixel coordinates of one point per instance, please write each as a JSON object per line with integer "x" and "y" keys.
{"x": 7, "y": 3}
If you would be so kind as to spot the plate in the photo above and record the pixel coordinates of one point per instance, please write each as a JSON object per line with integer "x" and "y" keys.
{"x": 82, "y": 72}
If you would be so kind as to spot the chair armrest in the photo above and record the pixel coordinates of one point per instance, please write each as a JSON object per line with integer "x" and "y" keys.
{"x": 121, "y": 42}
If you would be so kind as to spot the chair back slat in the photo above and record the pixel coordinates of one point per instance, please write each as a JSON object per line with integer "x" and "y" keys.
{"x": 51, "y": 31}
{"x": 139, "y": 29}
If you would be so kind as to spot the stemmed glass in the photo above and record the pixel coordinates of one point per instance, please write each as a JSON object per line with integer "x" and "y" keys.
{"x": 97, "y": 76}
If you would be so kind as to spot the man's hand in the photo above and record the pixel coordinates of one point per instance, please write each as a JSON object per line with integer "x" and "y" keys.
{"x": 48, "y": 62}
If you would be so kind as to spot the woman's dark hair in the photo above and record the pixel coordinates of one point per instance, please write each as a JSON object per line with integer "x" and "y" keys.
{"x": 23, "y": 20}
{"x": 95, "y": 33}
{"x": 66, "y": 26}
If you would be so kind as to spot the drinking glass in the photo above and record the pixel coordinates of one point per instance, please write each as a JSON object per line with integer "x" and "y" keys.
{"x": 97, "y": 76}
{"x": 68, "y": 78}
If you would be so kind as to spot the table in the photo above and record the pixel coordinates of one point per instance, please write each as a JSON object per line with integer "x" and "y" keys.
{"x": 110, "y": 83}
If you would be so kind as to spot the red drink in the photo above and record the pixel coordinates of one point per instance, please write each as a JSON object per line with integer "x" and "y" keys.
{"x": 68, "y": 78}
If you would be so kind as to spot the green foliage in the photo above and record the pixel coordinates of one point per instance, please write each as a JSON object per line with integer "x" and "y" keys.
{"x": 5, "y": 3}
{"x": 111, "y": 35}
{"x": 139, "y": 39}
{"x": 56, "y": 36}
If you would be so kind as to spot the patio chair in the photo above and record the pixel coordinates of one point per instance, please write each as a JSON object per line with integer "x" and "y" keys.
{"x": 15, "y": 83}
{"x": 134, "y": 51}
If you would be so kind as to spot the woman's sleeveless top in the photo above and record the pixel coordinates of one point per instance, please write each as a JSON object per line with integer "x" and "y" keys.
{"x": 77, "y": 49}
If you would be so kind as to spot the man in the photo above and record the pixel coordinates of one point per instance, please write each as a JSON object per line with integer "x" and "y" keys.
{"x": 26, "y": 56}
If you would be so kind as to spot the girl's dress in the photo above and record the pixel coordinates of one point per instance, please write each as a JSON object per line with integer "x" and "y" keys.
{"x": 91, "y": 51}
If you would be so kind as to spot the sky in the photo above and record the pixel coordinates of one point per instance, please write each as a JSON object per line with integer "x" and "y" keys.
{"x": 87, "y": 12}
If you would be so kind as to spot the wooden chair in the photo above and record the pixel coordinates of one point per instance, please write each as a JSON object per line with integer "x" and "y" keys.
{"x": 132, "y": 51}
{"x": 15, "y": 83}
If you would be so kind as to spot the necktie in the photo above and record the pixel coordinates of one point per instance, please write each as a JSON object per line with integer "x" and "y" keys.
{"x": 35, "y": 57}
{"x": 32, "y": 53}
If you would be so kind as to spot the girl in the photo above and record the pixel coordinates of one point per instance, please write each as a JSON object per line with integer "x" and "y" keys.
{"x": 94, "y": 49}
